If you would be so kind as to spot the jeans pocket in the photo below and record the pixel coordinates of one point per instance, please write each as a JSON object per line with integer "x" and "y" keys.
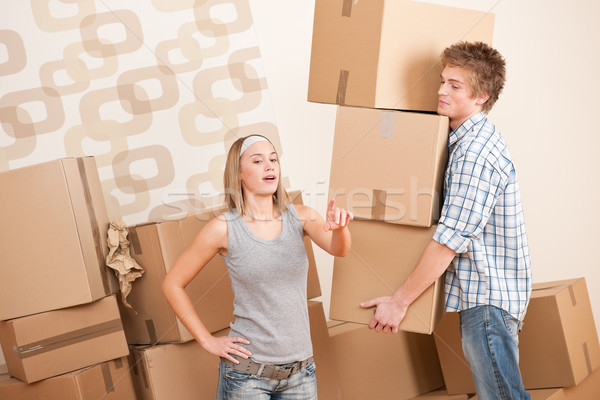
{"x": 512, "y": 325}
{"x": 234, "y": 375}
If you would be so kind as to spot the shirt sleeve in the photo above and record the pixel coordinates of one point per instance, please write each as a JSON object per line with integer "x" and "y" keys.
{"x": 471, "y": 192}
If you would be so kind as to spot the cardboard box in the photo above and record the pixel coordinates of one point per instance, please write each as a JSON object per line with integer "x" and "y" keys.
{"x": 558, "y": 345}
{"x": 44, "y": 345}
{"x": 186, "y": 371}
{"x": 381, "y": 258}
{"x": 53, "y": 240}
{"x": 156, "y": 247}
{"x": 456, "y": 370}
{"x": 175, "y": 371}
{"x": 389, "y": 165}
{"x": 384, "y": 366}
{"x": 328, "y": 381}
{"x": 108, "y": 381}
{"x": 587, "y": 389}
{"x": 385, "y": 53}
{"x": 441, "y": 395}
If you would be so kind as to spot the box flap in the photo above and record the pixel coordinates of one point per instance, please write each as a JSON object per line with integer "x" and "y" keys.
{"x": 341, "y": 29}
{"x": 550, "y": 288}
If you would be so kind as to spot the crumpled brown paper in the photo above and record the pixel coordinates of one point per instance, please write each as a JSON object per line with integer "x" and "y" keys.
{"x": 119, "y": 259}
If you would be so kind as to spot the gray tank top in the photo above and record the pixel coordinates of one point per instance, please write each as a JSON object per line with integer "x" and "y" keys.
{"x": 268, "y": 278}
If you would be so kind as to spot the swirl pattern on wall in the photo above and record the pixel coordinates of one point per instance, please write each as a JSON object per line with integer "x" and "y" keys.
{"x": 157, "y": 92}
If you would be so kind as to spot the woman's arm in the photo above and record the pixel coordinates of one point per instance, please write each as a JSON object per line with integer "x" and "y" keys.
{"x": 210, "y": 241}
{"x": 332, "y": 235}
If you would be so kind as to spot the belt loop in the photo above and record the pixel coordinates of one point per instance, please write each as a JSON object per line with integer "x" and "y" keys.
{"x": 260, "y": 369}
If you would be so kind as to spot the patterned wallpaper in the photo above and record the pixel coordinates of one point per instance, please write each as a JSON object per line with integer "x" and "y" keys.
{"x": 156, "y": 90}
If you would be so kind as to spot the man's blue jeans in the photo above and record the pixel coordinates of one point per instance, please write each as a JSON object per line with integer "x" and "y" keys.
{"x": 490, "y": 343}
{"x": 235, "y": 385}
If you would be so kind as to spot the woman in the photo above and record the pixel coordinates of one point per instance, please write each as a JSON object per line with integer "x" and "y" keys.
{"x": 268, "y": 353}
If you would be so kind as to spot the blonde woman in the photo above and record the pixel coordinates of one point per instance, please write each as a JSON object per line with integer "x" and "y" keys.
{"x": 268, "y": 353}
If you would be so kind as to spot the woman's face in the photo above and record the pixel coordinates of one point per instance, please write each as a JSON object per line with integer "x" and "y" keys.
{"x": 259, "y": 169}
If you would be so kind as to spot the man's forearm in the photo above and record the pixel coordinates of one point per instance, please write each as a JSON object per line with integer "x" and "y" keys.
{"x": 431, "y": 265}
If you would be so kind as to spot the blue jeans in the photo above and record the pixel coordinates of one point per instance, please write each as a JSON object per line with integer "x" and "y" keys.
{"x": 235, "y": 385}
{"x": 490, "y": 343}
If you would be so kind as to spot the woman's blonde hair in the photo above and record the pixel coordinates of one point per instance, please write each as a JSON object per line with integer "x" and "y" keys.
{"x": 234, "y": 193}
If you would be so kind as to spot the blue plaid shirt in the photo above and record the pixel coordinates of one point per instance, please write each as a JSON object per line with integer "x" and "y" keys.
{"x": 482, "y": 221}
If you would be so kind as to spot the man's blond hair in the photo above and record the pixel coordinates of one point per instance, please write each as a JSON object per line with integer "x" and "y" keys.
{"x": 484, "y": 66}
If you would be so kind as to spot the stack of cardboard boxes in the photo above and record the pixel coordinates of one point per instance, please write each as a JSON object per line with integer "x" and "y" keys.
{"x": 379, "y": 61}
{"x": 65, "y": 332}
{"x": 60, "y": 329}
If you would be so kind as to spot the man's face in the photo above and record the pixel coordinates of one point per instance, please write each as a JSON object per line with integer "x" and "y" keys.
{"x": 455, "y": 97}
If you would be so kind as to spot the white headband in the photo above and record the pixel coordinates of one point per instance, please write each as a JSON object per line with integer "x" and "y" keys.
{"x": 249, "y": 141}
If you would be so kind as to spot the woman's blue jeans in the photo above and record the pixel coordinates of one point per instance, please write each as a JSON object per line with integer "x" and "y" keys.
{"x": 235, "y": 385}
{"x": 490, "y": 343}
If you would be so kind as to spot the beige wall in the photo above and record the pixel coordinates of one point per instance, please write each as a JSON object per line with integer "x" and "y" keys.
{"x": 546, "y": 113}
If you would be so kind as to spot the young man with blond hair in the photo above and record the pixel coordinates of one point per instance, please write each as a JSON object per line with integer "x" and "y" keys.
{"x": 480, "y": 242}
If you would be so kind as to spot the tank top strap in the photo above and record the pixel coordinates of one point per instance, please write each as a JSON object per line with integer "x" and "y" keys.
{"x": 294, "y": 219}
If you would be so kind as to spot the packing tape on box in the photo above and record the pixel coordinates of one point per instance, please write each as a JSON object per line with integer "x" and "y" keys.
{"x": 151, "y": 331}
{"x": 68, "y": 339}
{"x": 573, "y": 297}
{"x": 347, "y": 8}
{"x": 588, "y": 361}
{"x": 93, "y": 221}
{"x": 107, "y": 376}
{"x": 133, "y": 362}
{"x": 342, "y": 85}
{"x": 386, "y": 124}
{"x": 378, "y": 209}
{"x": 135, "y": 241}
{"x": 131, "y": 359}
{"x": 138, "y": 366}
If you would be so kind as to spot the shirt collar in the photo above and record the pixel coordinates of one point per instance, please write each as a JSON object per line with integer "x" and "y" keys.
{"x": 465, "y": 127}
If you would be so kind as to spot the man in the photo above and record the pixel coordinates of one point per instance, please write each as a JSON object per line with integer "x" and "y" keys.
{"x": 480, "y": 241}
